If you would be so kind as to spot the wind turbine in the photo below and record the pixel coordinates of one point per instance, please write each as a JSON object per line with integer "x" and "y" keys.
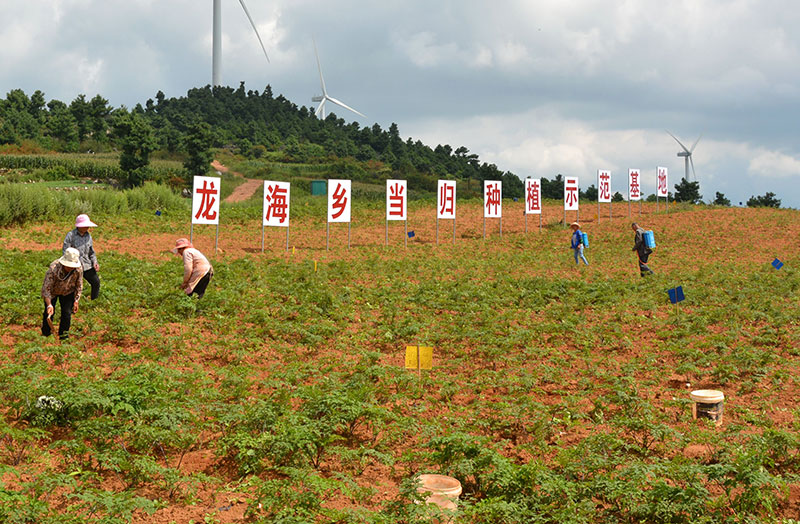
{"x": 216, "y": 47}
{"x": 320, "y": 112}
{"x": 687, "y": 155}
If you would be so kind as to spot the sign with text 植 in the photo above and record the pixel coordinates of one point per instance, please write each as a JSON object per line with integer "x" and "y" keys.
{"x": 571, "y": 193}
{"x": 661, "y": 182}
{"x": 339, "y": 200}
{"x": 396, "y": 200}
{"x": 492, "y": 199}
{"x": 634, "y": 184}
{"x": 533, "y": 196}
{"x": 205, "y": 200}
{"x": 276, "y": 204}
{"x": 603, "y": 185}
{"x": 446, "y": 199}
{"x": 425, "y": 357}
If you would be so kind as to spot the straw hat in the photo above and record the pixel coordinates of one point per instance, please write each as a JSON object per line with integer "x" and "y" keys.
{"x": 575, "y": 224}
{"x": 83, "y": 221}
{"x": 71, "y": 258}
{"x": 181, "y": 243}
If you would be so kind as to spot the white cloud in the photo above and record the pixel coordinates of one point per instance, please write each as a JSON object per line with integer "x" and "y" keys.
{"x": 773, "y": 164}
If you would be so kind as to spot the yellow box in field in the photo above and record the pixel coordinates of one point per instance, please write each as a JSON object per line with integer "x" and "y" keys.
{"x": 425, "y": 357}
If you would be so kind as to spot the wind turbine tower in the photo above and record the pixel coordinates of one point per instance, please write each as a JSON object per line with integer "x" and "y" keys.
{"x": 687, "y": 155}
{"x": 216, "y": 41}
{"x": 320, "y": 112}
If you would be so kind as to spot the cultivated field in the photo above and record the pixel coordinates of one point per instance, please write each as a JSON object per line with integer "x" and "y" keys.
{"x": 559, "y": 394}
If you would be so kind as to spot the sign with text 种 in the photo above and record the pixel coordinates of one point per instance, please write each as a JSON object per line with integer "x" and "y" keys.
{"x": 662, "y": 190}
{"x": 446, "y": 199}
{"x": 396, "y": 200}
{"x": 276, "y": 203}
{"x": 339, "y": 200}
{"x": 492, "y": 199}
{"x": 205, "y": 200}
{"x": 533, "y": 196}
{"x": 603, "y": 185}
{"x": 571, "y": 193}
{"x": 634, "y": 184}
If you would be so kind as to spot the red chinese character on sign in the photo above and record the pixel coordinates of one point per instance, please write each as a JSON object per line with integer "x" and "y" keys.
{"x": 492, "y": 198}
{"x": 277, "y": 203}
{"x": 340, "y": 200}
{"x": 207, "y": 201}
{"x": 533, "y": 196}
{"x": 662, "y": 182}
{"x": 634, "y": 184}
{"x": 396, "y": 199}
{"x": 446, "y": 197}
{"x": 572, "y": 195}
{"x": 605, "y": 186}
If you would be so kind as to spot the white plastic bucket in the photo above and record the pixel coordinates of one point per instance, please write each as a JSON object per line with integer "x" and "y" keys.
{"x": 708, "y": 403}
{"x": 441, "y": 489}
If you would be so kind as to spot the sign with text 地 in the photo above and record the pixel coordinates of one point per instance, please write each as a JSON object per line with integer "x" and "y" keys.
{"x": 339, "y": 200}
{"x": 276, "y": 203}
{"x": 205, "y": 200}
{"x": 662, "y": 188}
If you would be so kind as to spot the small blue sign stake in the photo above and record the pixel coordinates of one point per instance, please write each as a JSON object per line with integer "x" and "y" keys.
{"x": 158, "y": 212}
{"x": 410, "y": 234}
{"x": 676, "y": 296}
{"x": 777, "y": 264}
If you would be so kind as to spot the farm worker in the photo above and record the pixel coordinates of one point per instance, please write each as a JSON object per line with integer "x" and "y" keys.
{"x": 197, "y": 270}
{"x": 81, "y": 239}
{"x": 642, "y": 251}
{"x": 577, "y": 242}
{"x": 63, "y": 283}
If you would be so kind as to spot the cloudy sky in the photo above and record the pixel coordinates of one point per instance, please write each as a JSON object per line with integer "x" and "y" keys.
{"x": 535, "y": 87}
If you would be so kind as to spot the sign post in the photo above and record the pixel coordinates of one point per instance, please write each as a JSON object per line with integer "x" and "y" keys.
{"x": 339, "y": 204}
{"x": 276, "y": 208}
{"x": 446, "y": 205}
{"x": 205, "y": 204}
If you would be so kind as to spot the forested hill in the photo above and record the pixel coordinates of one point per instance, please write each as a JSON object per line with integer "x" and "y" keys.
{"x": 253, "y": 123}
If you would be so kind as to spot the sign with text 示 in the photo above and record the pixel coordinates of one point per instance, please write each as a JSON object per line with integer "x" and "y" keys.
{"x": 396, "y": 200}
{"x": 533, "y": 196}
{"x": 634, "y": 184}
{"x": 662, "y": 190}
{"x": 339, "y": 200}
{"x": 205, "y": 200}
{"x": 492, "y": 199}
{"x": 276, "y": 203}
{"x": 603, "y": 185}
{"x": 446, "y": 199}
{"x": 571, "y": 193}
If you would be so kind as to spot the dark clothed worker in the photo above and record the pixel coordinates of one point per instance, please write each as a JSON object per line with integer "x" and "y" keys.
{"x": 642, "y": 251}
{"x": 197, "y": 270}
{"x": 81, "y": 239}
{"x": 577, "y": 243}
{"x": 63, "y": 283}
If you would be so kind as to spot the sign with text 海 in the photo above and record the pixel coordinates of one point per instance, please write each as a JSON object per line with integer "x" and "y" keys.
{"x": 446, "y": 199}
{"x": 276, "y": 204}
{"x": 603, "y": 185}
{"x": 339, "y": 200}
{"x": 396, "y": 200}
{"x": 661, "y": 182}
{"x": 533, "y": 196}
{"x": 205, "y": 200}
{"x": 634, "y": 184}
{"x": 571, "y": 193}
{"x": 492, "y": 199}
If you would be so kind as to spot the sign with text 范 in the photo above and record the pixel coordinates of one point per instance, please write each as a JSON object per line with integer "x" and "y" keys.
{"x": 662, "y": 190}
{"x": 276, "y": 203}
{"x": 533, "y": 196}
{"x": 603, "y": 185}
{"x": 396, "y": 200}
{"x": 492, "y": 199}
{"x": 205, "y": 200}
{"x": 339, "y": 200}
{"x": 571, "y": 193}
{"x": 446, "y": 199}
{"x": 634, "y": 184}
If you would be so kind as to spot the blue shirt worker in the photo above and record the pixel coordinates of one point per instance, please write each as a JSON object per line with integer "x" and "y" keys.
{"x": 81, "y": 239}
{"x": 577, "y": 243}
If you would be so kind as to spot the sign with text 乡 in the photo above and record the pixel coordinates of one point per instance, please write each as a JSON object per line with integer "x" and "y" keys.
{"x": 396, "y": 199}
{"x": 662, "y": 190}
{"x": 446, "y": 199}
{"x": 339, "y": 200}
{"x": 425, "y": 357}
{"x": 634, "y": 184}
{"x": 603, "y": 185}
{"x": 533, "y": 196}
{"x": 492, "y": 199}
{"x": 571, "y": 193}
{"x": 205, "y": 200}
{"x": 676, "y": 294}
{"x": 276, "y": 204}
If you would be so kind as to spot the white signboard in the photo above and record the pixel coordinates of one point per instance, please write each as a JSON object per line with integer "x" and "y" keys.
{"x": 533, "y": 196}
{"x": 339, "y": 200}
{"x": 446, "y": 199}
{"x": 571, "y": 193}
{"x": 276, "y": 203}
{"x": 661, "y": 182}
{"x": 492, "y": 199}
{"x": 205, "y": 200}
{"x": 603, "y": 185}
{"x": 634, "y": 184}
{"x": 396, "y": 200}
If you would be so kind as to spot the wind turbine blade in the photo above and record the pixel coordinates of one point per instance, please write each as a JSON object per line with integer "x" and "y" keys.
{"x": 340, "y": 103}
{"x": 694, "y": 175}
{"x": 695, "y": 143}
{"x": 678, "y": 141}
{"x": 254, "y": 28}
{"x": 319, "y": 67}
{"x": 320, "y": 108}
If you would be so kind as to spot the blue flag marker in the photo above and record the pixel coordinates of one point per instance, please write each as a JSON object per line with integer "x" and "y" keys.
{"x": 158, "y": 212}
{"x": 515, "y": 199}
{"x": 676, "y": 294}
{"x": 410, "y": 234}
{"x": 777, "y": 264}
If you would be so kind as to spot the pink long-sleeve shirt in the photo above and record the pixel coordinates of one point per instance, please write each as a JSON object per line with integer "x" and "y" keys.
{"x": 195, "y": 267}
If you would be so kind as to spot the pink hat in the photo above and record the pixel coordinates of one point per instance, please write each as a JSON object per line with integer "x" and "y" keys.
{"x": 83, "y": 221}
{"x": 181, "y": 243}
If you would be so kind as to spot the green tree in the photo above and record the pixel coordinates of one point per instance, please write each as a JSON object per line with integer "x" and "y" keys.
{"x": 135, "y": 137}
{"x": 720, "y": 200}
{"x": 686, "y": 191}
{"x": 766, "y": 200}
{"x": 62, "y": 126}
{"x": 198, "y": 148}
{"x": 617, "y": 197}
{"x": 590, "y": 193}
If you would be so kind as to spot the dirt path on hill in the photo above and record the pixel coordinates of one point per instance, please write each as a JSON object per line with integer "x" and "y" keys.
{"x": 242, "y": 191}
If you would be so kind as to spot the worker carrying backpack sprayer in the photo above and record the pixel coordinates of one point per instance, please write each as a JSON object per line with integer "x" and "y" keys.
{"x": 578, "y": 242}
{"x": 642, "y": 243}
